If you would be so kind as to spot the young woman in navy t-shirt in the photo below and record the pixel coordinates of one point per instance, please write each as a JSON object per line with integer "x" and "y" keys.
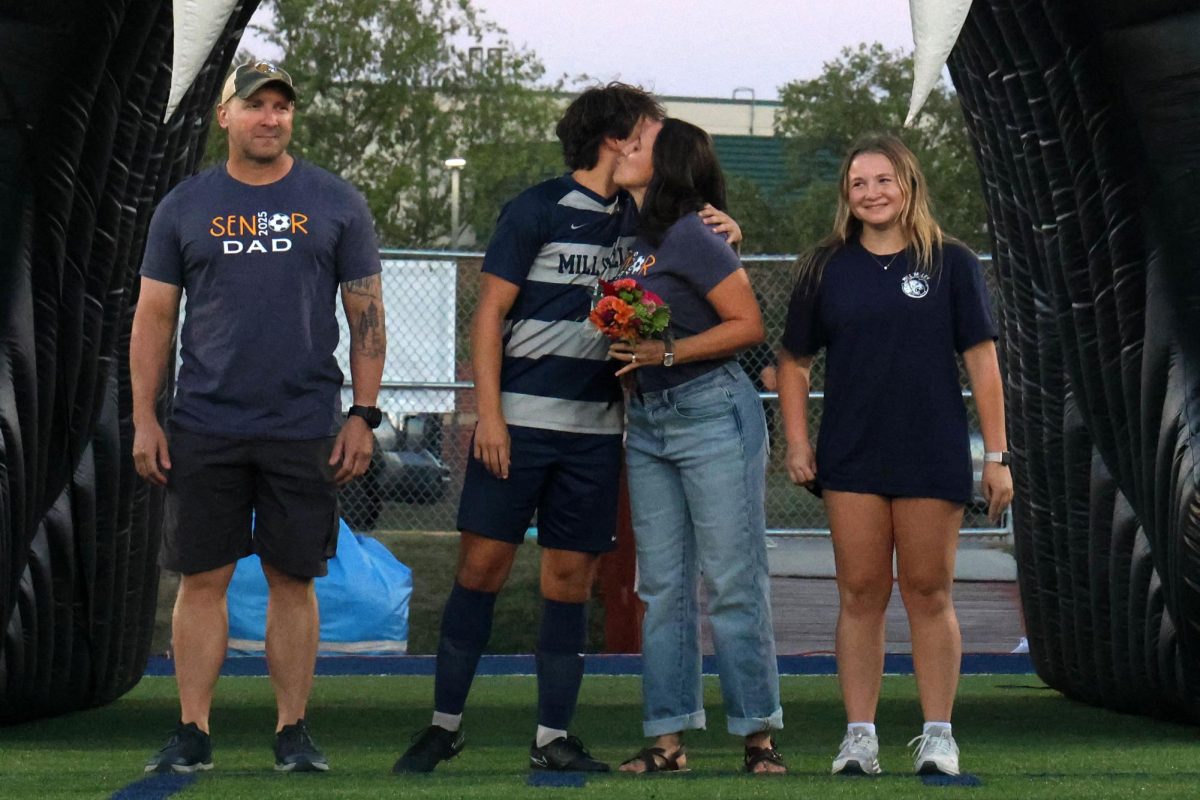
{"x": 892, "y": 301}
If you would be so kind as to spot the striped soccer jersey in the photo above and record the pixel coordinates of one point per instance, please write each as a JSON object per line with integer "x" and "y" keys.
{"x": 555, "y": 240}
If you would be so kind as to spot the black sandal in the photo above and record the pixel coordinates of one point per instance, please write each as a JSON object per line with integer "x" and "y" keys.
{"x": 655, "y": 759}
{"x": 764, "y": 755}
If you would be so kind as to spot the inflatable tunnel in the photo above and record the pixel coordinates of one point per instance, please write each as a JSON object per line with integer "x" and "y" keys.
{"x": 85, "y": 155}
{"x": 1085, "y": 116}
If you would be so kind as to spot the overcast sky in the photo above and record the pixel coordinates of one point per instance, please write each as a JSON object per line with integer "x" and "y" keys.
{"x": 699, "y": 48}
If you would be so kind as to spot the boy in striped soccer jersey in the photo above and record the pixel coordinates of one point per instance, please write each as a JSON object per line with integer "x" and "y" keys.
{"x": 548, "y": 439}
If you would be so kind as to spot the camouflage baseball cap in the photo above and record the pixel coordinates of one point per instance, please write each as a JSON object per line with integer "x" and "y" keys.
{"x": 248, "y": 78}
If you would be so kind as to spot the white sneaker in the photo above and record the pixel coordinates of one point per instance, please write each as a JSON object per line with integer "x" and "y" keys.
{"x": 935, "y": 753}
{"x": 859, "y": 755}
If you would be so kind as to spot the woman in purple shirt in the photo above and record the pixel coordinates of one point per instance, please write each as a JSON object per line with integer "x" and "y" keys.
{"x": 892, "y": 302}
{"x": 696, "y": 453}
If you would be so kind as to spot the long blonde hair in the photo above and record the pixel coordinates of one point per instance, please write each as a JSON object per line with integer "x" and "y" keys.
{"x": 921, "y": 231}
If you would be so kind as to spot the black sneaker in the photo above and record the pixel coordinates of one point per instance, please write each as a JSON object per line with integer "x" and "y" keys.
{"x": 564, "y": 754}
{"x": 189, "y": 749}
{"x": 295, "y": 750}
{"x": 429, "y": 747}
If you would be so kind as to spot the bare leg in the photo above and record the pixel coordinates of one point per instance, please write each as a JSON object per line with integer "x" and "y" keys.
{"x": 926, "y": 541}
{"x": 483, "y": 563}
{"x": 199, "y": 638}
{"x": 293, "y": 632}
{"x": 567, "y": 576}
{"x": 861, "y": 526}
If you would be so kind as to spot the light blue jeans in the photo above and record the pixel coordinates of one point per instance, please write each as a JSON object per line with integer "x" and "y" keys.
{"x": 697, "y": 458}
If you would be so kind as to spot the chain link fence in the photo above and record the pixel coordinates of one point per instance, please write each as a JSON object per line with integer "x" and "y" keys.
{"x": 429, "y": 403}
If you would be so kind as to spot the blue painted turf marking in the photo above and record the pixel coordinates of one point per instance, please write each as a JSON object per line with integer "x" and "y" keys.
{"x": 894, "y": 664}
{"x": 155, "y": 787}
{"x": 557, "y": 780}
{"x": 966, "y": 779}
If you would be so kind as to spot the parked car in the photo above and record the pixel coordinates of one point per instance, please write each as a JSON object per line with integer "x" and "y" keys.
{"x": 406, "y": 467}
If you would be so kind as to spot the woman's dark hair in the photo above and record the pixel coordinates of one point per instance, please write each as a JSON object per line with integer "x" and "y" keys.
{"x": 686, "y": 176}
{"x": 600, "y": 113}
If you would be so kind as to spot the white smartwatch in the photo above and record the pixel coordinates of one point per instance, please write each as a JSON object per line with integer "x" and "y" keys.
{"x": 1003, "y": 457}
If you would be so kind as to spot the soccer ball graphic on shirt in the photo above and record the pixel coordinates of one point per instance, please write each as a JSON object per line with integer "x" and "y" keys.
{"x": 280, "y": 222}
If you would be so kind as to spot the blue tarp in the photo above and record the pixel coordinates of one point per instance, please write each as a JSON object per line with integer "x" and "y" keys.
{"x": 363, "y": 599}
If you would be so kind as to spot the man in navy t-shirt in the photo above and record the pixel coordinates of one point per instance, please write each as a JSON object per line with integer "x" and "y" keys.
{"x": 260, "y": 245}
{"x": 548, "y": 440}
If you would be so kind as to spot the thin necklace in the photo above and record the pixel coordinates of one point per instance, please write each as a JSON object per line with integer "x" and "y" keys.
{"x": 880, "y": 263}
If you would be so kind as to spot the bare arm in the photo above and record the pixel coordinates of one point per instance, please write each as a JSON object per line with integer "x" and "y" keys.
{"x": 149, "y": 349}
{"x": 362, "y": 300}
{"x": 794, "y": 384}
{"x": 496, "y": 298}
{"x": 741, "y": 326}
{"x": 983, "y": 370}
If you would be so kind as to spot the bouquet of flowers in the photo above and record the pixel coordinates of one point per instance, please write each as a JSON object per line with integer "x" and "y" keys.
{"x": 627, "y": 311}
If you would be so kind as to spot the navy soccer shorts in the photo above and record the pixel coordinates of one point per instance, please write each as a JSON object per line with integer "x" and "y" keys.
{"x": 569, "y": 480}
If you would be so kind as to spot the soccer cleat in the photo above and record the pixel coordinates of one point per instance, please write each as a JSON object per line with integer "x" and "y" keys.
{"x": 564, "y": 754}
{"x": 935, "y": 753}
{"x": 189, "y": 749}
{"x": 858, "y": 755}
{"x": 295, "y": 750}
{"x": 430, "y": 746}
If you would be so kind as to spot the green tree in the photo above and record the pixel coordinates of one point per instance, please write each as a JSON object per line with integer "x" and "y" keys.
{"x": 391, "y": 88}
{"x": 866, "y": 90}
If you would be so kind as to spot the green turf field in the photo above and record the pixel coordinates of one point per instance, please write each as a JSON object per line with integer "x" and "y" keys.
{"x": 1019, "y": 738}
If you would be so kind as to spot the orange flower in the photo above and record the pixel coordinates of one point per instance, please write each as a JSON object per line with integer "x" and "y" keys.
{"x": 623, "y": 313}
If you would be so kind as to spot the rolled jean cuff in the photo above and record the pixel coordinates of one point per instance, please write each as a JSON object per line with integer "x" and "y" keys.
{"x": 744, "y": 726}
{"x": 687, "y": 722}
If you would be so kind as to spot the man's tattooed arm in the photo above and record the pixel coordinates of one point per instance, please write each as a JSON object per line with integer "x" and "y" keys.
{"x": 369, "y": 286}
{"x": 363, "y": 301}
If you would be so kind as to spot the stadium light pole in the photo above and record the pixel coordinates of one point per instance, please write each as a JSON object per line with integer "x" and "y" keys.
{"x": 455, "y": 166}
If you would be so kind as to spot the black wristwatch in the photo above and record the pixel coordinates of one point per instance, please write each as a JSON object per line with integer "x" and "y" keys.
{"x": 370, "y": 414}
{"x": 1003, "y": 457}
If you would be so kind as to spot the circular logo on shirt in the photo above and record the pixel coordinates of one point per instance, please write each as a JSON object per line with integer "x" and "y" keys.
{"x": 280, "y": 222}
{"x": 915, "y": 285}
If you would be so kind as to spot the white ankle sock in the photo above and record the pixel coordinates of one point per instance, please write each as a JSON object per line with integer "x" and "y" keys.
{"x": 547, "y": 735}
{"x": 931, "y": 726}
{"x": 450, "y": 722}
{"x": 861, "y": 727}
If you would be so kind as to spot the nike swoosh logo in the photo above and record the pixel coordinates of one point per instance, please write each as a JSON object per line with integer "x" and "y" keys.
{"x": 539, "y": 761}
{"x": 577, "y": 227}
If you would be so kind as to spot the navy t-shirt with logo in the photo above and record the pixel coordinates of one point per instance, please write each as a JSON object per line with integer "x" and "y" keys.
{"x": 893, "y": 420}
{"x": 260, "y": 268}
{"x": 689, "y": 264}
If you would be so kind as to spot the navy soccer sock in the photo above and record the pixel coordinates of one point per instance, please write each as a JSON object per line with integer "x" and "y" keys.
{"x": 466, "y": 628}
{"x": 561, "y": 640}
